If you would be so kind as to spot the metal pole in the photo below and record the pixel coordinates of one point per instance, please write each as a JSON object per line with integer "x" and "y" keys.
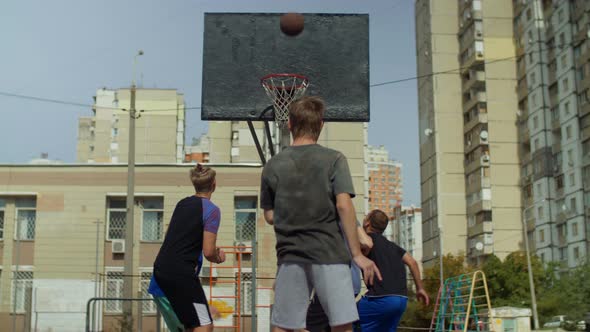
{"x": 129, "y": 225}
{"x": 440, "y": 255}
{"x": 139, "y": 313}
{"x": 285, "y": 140}
{"x": 14, "y": 276}
{"x": 531, "y": 281}
{"x": 96, "y": 276}
{"x": 254, "y": 290}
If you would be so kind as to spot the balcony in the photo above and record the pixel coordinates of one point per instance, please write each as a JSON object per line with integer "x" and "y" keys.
{"x": 481, "y": 117}
{"x": 584, "y": 84}
{"x": 521, "y": 69}
{"x": 530, "y": 225}
{"x": 519, "y": 50}
{"x": 583, "y": 58}
{"x": 584, "y": 109}
{"x": 475, "y": 142}
{"x": 580, "y": 36}
{"x": 483, "y": 205}
{"x": 479, "y": 161}
{"x": 578, "y": 9}
{"x": 474, "y": 79}
{"x": 556, "y": 147}
{"x": 480, "y": 228}
{"x": 470, "y": 58}
{"x": 517, "y": 8}
{"x": 525, "y": 135}
{"x": 585, "y": 133}
{"x": 552, "y": 76}
{"x": 562, "y": 241}
{"x": 522, "y": 90}
{"x": 555, "y": 123}
{"x": 473, "y": 99}
{"x": 525, "y": 158}
{"x": 549, "y": 31}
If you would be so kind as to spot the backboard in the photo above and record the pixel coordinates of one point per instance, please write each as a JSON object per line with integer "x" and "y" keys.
{"x": 239, "y": 49}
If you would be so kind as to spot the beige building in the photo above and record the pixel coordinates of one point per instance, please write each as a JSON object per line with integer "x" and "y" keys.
{"x": 468, "y": 134}
{"x": 104, "y": 137}
{"x": 62, "y": 229}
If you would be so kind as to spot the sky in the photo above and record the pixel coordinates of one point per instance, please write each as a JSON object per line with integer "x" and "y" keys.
{"x": 66, "y": 50}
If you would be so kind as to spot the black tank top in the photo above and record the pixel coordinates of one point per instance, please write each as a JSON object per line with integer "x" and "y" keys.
{"x": 183, "y": 243}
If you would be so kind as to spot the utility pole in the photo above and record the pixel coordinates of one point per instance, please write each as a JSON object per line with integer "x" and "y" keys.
{"x": 128, "y": 280}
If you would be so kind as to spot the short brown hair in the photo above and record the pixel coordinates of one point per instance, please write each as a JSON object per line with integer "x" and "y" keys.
{"x": 378, "y": 220}
{"x": 203, "y": 178}
{"x": 306, "y": 115}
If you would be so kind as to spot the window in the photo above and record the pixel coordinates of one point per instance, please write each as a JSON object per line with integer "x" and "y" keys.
{"x": 568, "y": 132}
{"x": 562, "y": 254}
{"x": 114, "y": 289}
{"x": 560, "y": 15}
{"x": 116, "y": 215}
{"x": 246, "y": 293}
{"x": 559, "y": 182}
{"x": 573, "y": 205}
{"x": 576, "y": 253}
{"x": 114, "y": 132}
{"x": 2, "y": 207}
{"x": 528, "y": 14}
{"x": 532, "y": 79}
{"x": 575, "y": 229}
{"x": 26, "y": 216}
{"x": 570, "y": 156}
{"x": 148, "y": 307}
{"x": 535, "y": 122}
{"x": 561, "y": 39}
{"x": 534, "y": 99}
{"x": 245, "y": 215}
{"x": 536, "y": 143}
{"x": 539, "y": 189}
{"x": 572, "y": 179}
{"x": 565, "y": 85}
{"x": 564, "y": 61}
{"x": 541, "y": 235}
{"x": 152, "y": 220}
{"x": 21, "y": 284}
{"x": 540, "y": 213}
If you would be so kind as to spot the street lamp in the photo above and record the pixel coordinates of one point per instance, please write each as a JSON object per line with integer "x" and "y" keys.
{"x": 129, "y": 224}
{"x": 530, "y": 269}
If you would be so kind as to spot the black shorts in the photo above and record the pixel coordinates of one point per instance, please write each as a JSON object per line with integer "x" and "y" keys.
{"x": 186, "y": 296}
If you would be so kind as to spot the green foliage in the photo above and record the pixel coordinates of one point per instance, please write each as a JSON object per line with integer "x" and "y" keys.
{"x": 557, "y": 292}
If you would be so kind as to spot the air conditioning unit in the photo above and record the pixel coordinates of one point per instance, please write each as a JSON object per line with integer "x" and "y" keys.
{"x": 244, "y": 247}
{"x": 480, "y": 54}
{"x": 485, "y": 159}
{"x": 118, "y": 246}
{"x": 478, "y": 33}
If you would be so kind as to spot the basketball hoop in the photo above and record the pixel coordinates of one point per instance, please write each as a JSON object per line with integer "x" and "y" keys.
{"x": 282, "y": 89}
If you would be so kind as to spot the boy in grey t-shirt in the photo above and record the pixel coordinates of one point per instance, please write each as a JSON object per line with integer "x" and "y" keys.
{"x": 305, "y": 191}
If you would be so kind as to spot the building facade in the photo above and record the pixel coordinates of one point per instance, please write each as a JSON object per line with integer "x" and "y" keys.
{"x": 62, "y": 230}
{"x": 198, "y": 151}
{"x": 406, "y": 230}
{"x": 160, "y": 126}
{"x": 469, "y": 148}
{"x": 385, "y": 187}
{"x": 553, "y": 80}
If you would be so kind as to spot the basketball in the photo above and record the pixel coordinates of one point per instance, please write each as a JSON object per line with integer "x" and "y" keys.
{"x": 292, "y": 24}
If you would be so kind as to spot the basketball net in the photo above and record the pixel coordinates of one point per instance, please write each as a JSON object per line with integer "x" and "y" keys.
{"x": 282, "y": 89}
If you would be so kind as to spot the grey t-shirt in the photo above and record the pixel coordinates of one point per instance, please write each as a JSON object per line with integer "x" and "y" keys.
{"x": 300, "y": 184}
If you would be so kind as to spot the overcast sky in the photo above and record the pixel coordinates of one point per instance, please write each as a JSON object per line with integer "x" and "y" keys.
{"x": 67, "y": 49}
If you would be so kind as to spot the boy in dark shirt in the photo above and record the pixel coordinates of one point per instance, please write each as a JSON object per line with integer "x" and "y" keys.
{"x": 192, "y": 232}
{"x": 382, "y": 307}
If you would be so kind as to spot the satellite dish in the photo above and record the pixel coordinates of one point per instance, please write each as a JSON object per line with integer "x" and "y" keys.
{"x": 483, "y": 135}
{"x": 428, "y": 132}
{"x": 479, "y": 246}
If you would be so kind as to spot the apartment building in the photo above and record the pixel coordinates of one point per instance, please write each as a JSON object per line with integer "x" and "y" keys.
{"x": 468, "y": 134}
{"x": 232, "y": 142}
{"x": 406, "y": 230}
{"x": 553, "y": 73}
{"x": 62, "y": 230}
{"x": 385, "y": 190}
{"x": 160, "y": 126}
{"x": 198, "y": 151}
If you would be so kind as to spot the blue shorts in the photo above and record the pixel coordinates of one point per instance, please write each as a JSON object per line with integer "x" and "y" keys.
{"x": 382, "y": 313}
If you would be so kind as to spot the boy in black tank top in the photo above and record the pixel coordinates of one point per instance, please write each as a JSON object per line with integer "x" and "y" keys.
{"x": 382, "y": 307}
{"x": 192, "y": 232}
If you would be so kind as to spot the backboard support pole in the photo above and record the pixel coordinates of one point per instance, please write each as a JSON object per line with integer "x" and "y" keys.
{"x": 285, "y": 138}
{"x": 271, "y": 145}
{"x": 257, "y": 142}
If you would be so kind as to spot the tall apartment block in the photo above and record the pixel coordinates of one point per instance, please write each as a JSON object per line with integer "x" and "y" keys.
{"x": 554, "y": 119}
{"x": 104, "y": 137}
{"x": 469, "y": 148}
{"x": 406, "y": 230}
{"x": 385, "y": 188}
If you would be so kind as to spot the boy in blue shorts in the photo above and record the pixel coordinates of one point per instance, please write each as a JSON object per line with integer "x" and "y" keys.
{"x": 192, "y": 233}
{"x": 382, "y": 307}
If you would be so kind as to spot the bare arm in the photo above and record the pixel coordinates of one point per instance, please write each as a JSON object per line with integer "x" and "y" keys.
{"x": 348, "y": 219}
{"x": 421, "y": 293}
{"x": 269, "y": 216}
{"x": 365, "y": 240}
{"x": 210, "y": 250}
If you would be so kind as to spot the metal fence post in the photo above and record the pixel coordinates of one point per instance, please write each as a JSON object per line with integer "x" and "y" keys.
{"x": 139, "y": 312}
